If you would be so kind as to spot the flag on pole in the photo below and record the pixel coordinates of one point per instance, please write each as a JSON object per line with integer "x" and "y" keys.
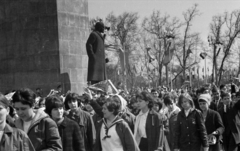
{"x": 168, "y": 54}
{"x": 104, "y": 86}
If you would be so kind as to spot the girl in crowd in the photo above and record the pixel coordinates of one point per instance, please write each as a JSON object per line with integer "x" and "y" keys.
{"x": 113, "y": 133}
{"x": 213, "y": 122}
{"x": 41, "y": 129}
{"x": 148, "y": 124}
{"x": 11, "y": 138}
{"x": 190, "y": 130}
{"x": 71, "y": 135}
{"x": 84, "y": 119}
{"x": 173, "y": 111}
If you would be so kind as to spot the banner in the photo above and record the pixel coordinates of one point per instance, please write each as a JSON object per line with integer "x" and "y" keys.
{"x": 104, "y": 86}
{"x": 168, "y": 54}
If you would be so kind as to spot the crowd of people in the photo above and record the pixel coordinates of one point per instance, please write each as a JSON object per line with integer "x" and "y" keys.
{"x": 206, "y": 119}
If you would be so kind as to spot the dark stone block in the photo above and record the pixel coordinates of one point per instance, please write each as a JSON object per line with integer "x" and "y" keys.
{"x": 41, "y": 44}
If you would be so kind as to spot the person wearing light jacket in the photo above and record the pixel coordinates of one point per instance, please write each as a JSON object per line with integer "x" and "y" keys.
{"x": 113, "y": 133}
{"x": 40, "y": 128}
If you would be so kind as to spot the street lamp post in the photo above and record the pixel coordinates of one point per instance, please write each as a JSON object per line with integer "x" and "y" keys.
{"x": 215, "y": 45}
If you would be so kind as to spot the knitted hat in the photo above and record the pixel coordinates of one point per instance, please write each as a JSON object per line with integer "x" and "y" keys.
{"x": 205, "y": 98}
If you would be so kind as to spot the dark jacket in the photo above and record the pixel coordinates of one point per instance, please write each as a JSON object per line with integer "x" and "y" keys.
{"x": 124, "y": 133}
{"x": 84, "y": 120}
{"x": 96, "y": 54}
{"x": 154, "y": 131}
{"x": 14, "y": 139}
{"x": 42, "y": 132}
{"x": 213, "y": 122}
{"x": 231, "y": 121}
{"x": 190, "y": 131}
{"x": 72, "y": 135}
{"x": 172, "y": 119}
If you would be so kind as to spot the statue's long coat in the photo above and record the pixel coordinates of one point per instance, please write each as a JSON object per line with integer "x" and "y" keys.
{"x": 96, "y": 55}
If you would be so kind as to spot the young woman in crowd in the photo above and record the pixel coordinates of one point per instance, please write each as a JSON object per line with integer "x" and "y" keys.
{"x": 113, "y": 133}
{"x": 71, "y": 134}
{"x": 190, "y": 129}
{"x": 173, "y": 111}
{"x": 84, "y": 119}
{"x": 213, "y": 123}
{"x": 41, "y": 129}
{"x": 12, "y": 139}
{"x": 148, "y": 124}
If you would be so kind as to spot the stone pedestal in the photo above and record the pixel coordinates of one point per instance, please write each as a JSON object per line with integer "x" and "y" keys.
{"x": 42, "y": 44}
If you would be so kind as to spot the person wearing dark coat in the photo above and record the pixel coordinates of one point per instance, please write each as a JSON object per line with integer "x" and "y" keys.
{"x": 148, "y": 130}
{"x": 191, "y": 132}
{"x": 213, "y": 123}
{"x": 71, "y": 134}
{"x": 83, "y": 118}
{"x": 173, "y": 111}
{"x": 96, "y": 54}
{"x": 230, "y": 114}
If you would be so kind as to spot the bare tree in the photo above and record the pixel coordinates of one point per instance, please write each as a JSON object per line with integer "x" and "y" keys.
{"x": 158, "y": 26}
{"x": 189, "y": 40}
{"x": 230, "y": 23}
{"x": 124, "y": 29}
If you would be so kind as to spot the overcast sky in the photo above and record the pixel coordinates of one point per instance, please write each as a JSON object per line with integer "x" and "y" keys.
{"x": 208, "y": 8}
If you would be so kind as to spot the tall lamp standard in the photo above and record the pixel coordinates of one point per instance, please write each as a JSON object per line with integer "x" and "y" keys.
{"x": 216, "y": 46}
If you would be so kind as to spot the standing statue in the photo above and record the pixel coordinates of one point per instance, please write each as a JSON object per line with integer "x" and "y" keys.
{"x": 96, "y": 54}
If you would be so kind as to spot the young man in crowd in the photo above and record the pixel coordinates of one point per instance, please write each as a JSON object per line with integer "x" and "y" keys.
{"x": 41, "y": 129}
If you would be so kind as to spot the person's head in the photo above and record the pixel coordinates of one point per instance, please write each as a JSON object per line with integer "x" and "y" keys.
{"x": 204, "y": 101}
{"x": 169, "y": 102}
{"x": 99, "y": 26}
{"x": 111, "y": 108}
{"x": 226, "y": 98}
{"x": 39, "y": 91}
{"x": 59, "y": 88}
{"x": 41, "y": 103}
{"x": 145, "y": 100}
{"x": 72, "y": 101}
{"x": 223, "y": 88}
{"x": 185, "y": 101}
{"x": 157, "y": 105}
{"x": 54, "y": 107}
{"x": 133, "y": 103}
{"x": 23, "y": 101}
{"x": 4, "y": 109}
{"x": 154, "y": 92}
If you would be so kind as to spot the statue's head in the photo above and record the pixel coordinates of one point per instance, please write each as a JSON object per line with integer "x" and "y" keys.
{"x": 99, "y": 26}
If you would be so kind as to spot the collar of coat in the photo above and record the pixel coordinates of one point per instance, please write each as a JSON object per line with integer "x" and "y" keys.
{"x": 99, "y": 34}
{"x": 39, "y": 115}
{"x": 8, "y": 129}
{"x": 183, "y": 114}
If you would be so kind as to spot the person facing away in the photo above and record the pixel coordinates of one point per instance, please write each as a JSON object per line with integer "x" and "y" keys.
{"x": 96, "y": 54}
{"x": 40, "y": 128}
{"x": 71, "y": 135}
{"x": 11, "y": 139}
